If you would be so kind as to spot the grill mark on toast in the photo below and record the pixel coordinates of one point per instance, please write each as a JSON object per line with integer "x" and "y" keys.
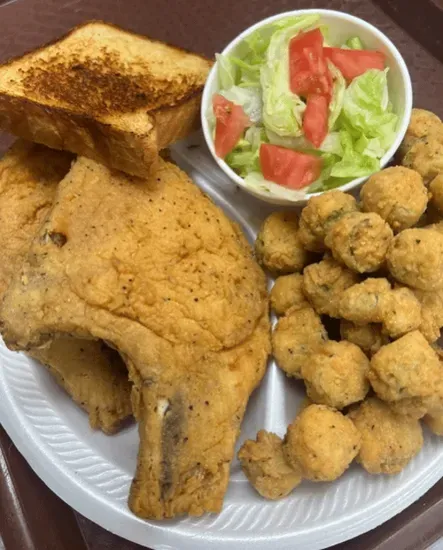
{"x": 106, "y": 85}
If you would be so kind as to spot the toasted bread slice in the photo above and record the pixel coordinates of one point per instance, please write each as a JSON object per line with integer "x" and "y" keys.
{"x": 104, "y": 93}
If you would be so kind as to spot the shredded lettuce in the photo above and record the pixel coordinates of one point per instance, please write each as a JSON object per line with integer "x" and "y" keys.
{"x": 338, "y": 95}
{"x": 370, "y": 147}
{"x": 299, "y": 142}
{"x": 227, "y": 72}
{"x": 343, "y": 164}
{"x": 331, "y": 144}
{"x": 353, "y": 163}
{"x": 249, "y": 73}
{"x": 245, "y": 158}
{"x": 354, "y": 43}
{"x": 366, "y": 108}
{"x": 282, "y": 109}
{"x": 249, "y": 98}
{"x": 251, "y": 54}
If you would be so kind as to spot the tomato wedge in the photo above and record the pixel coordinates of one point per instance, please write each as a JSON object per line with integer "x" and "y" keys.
{"x": 315, "y": 119}
{"x": 308, "y": 39}
{"x": 231, "y": 122}
{"x": 353, "y": 63}
{"x": 288, "y": 168}
{"x": 308, "y": 70}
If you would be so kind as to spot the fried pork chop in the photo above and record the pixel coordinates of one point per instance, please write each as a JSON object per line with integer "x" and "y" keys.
{"x": 156, "y": 270}
{"x": 92, "y": 374}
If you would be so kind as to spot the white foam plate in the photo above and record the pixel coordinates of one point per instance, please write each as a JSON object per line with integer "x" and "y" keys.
{"x": 92, "y": 472}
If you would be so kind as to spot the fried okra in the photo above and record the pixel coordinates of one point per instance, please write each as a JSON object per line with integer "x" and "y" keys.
{"x": 415, "y": 258}
{"x": 287, "y": 293}
{"x": 374, "y": 301}
{"x": 320, "y": 214}
{"x": 431, "y": 313}
{"x": 406, "y": 368}
{"x": 426, "y": 154}
{"x": 436, "y": 189}
{"x": 336, "y": 374}
{"x": 278, "y": 246}
{"x": 401, "y": 312}
{"x": 323, "y": 284}
{"x": 322, "y": 442}
{"x": 296, "y": 336}
{"x": 397, "y": 194}
{"x": 360, "y": 241}
{"x": 265, "y": 466}
{"x": 368, "y": 337}
{"x": 388, "y": 441}
{"x": 362, "y": 303}
{"x": 421, "y": 123}
{"x": 418, "y": 407}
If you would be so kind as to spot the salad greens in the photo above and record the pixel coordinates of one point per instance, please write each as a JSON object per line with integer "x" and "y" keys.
{"x": 282, "y": 109}
{"x": 361, "y": 123}
{"x": 354, "y": 43}
{"x": 245, "y": 157}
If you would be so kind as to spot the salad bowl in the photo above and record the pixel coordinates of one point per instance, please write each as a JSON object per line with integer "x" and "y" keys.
{"x": 368, "y": 111}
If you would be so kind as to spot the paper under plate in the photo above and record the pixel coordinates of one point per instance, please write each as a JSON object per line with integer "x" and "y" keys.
{"x": 92, "y": 472}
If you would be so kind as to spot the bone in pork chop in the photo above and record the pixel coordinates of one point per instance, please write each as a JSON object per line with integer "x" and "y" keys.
{"x": 156, "y": 270}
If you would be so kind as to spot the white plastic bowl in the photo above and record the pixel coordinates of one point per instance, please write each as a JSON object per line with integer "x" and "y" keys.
{"x": 341, "y": 26}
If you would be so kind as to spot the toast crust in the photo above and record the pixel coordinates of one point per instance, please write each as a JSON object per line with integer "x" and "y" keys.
{"x": 59, "y": 128}
{"x": 73, "y": 30}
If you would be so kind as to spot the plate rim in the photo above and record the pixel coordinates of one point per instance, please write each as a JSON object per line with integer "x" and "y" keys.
{"x": 103, "y": 512}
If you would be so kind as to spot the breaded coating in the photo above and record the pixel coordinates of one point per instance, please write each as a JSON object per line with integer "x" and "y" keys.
{"x": 323, "y": 284}
{"x": 426, "y": 154}
{"x": 278, "y": 247}
{"x": 362, "y": 303}
{"x": 29, "y": 175}
{"x": 388, "y": 441}
{"x": 367, "y": 337}
{"x": 418, "y": 407}
{"x": 360, "y": 241}
{"x": 431, "y": 313}
{"x": 397, "y": 194}
{"x": 335, "y": 374}
{"x": 287, "y": 293}
{"x": 408, "y": 367}
{"x": 421, "y": 123}
{"x": 436, "y": 189}
{"x": 156, "y": 269}
{"x": 94, "y": 376}
{"x": 401, "y": 312}
{"x": 296, "y": 336}
{"x": 435, "y": 423}
{"x": 265, "y": 466}
{"x": 322, "y": 442}
{"x": 415, "y": 258}
{"x": 319, "y": 216}
{"x": 438, "y": 226}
